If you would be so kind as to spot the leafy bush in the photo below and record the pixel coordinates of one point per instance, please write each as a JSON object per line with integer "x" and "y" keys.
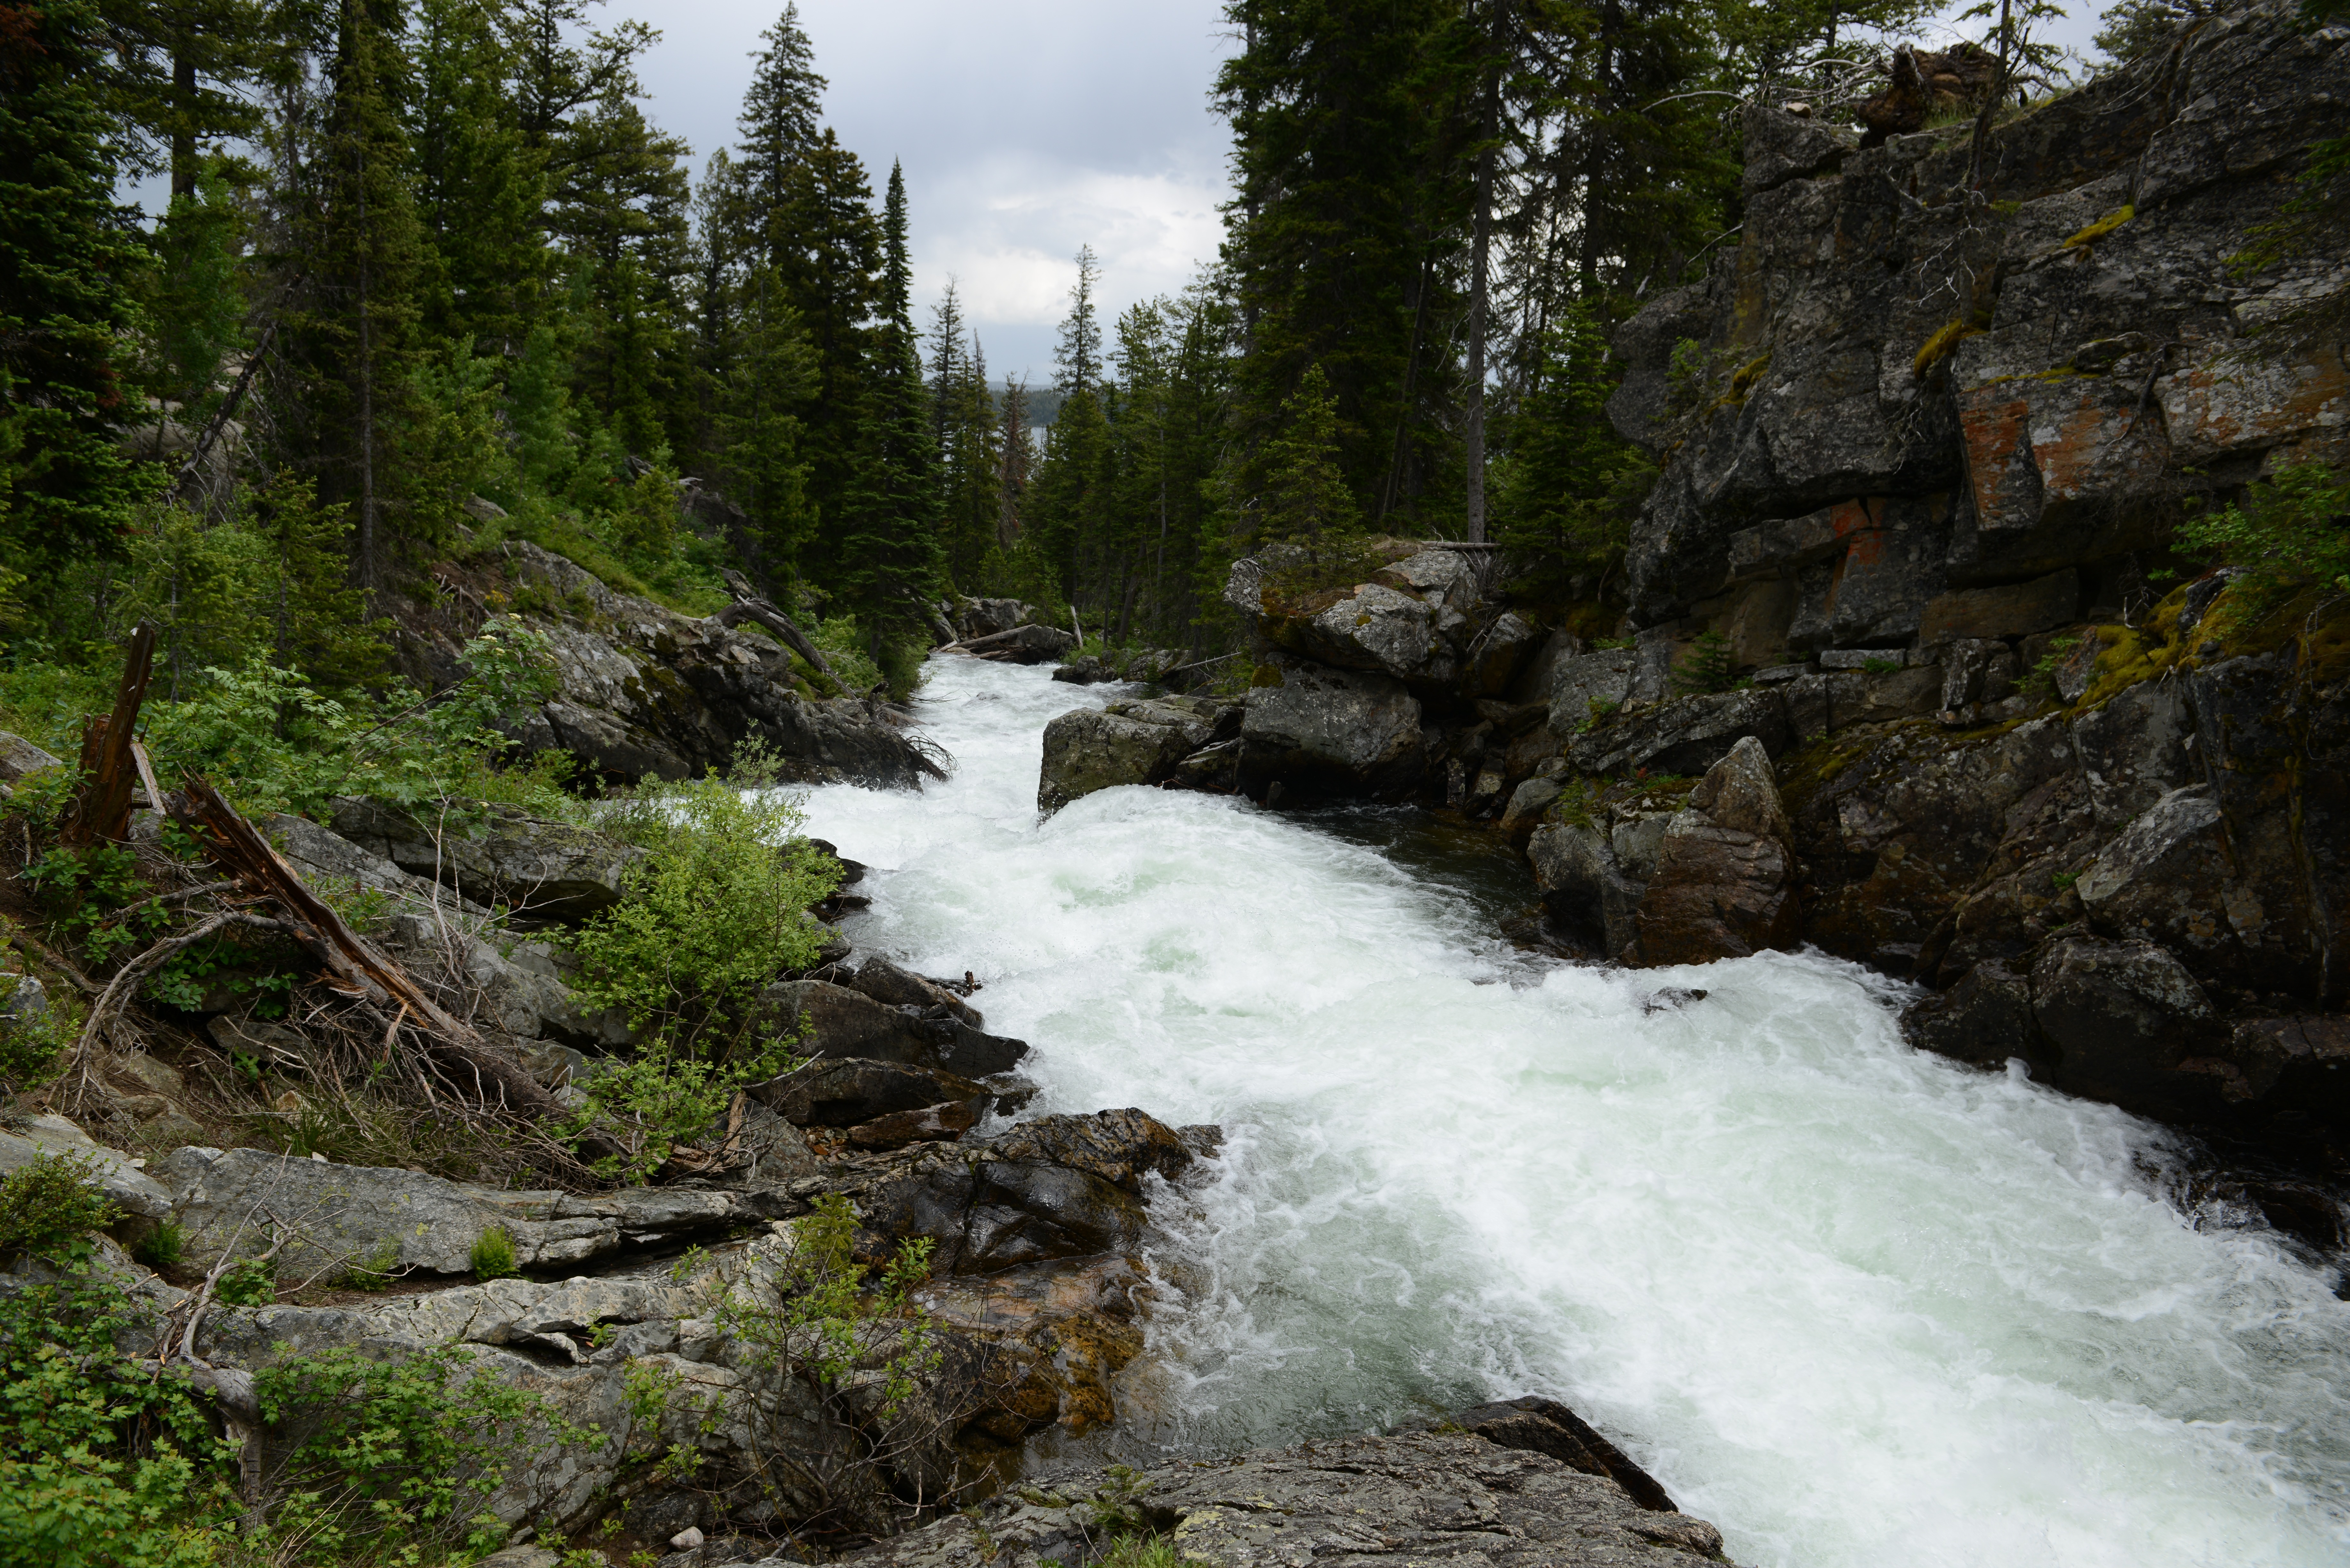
{"x": 825, "y": 1318}
{"x": 661, "y": 1098}
{"x": 493, "y": 1257}
{"x": 277, "y": 744}
{"x": 101, "y": 1463}
{"x": 32, "y": 1048}
{"x": 49, "y": 1207}
{"x": 397, "y": 1458}
{"x": 163, "y": 1246}
{"x": 2288, "y": 531}
{"x": 252, "y": 1282}
{"x": 717, "y": 908}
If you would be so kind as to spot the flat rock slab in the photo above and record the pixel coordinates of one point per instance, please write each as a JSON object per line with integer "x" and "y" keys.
{"x": 1422, "y": 1498}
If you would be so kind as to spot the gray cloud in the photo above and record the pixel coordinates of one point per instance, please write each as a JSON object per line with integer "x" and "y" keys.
{"x": 1026, "y": 128}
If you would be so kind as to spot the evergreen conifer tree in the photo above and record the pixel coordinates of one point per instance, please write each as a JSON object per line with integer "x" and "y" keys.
{"x": 779, "y": 126}
{"x": 68, "y": 258}
{"x": 479, "y": 188}
{"x": 1306, "y": 500}
{"x": 889, "y": 534}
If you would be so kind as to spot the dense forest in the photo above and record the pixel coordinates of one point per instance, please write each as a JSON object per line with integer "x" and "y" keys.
{"x": 429, "y": 275}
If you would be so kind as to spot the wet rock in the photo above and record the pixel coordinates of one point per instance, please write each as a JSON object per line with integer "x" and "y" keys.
{"x": 2135, "y": 749}
{"x": 1138, "y": 742}
{"x": 1540, "y": 1426}
{"x": 2129, "y": 1025}
{"x": 845, "y": 1092}
{"x": 985, "y": 617}
{"x": 882, "y": 981}
{"x": 2165, "y": 878}
{"x": 1415, "y": 1498}
{"x": 2300, "y": 1063}
{"x": 1722, "y": 887}
{"x": 1496, "y": 653}
{"x": 832, "y": 1021}
{"x": 1684, "y": 737}
{"x": 1582, "y": 884}
{"x": 1331, "y": 732}
{"x": 1527, "y": 804}
{"x": 341, "y": 1214}
{"x": 1058, "y": 1186}
{"x": 929, "y": 1124}
{"x": 1985, "y": 1019}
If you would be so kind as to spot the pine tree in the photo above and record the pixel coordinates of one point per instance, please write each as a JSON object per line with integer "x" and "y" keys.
{"x": 888, "y": 535}
{"x": 479, "y": 188}
{"x": 829, "y": 266}
{"x": 1306, "y": 500}
{"x": 1078, "y": 356}
{"x": 779, "y": 127}
{"x": 1566, "y": 494}
{"x": 1015, "y": 458}
{"x": 351, "y": 341}
{"x": 68, "y": 258}
{"x": 771, "y": 373}
{"x": 963, "y": 422}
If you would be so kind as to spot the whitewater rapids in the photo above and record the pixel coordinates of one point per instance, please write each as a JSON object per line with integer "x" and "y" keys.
{"x": 1857, "y": 1306}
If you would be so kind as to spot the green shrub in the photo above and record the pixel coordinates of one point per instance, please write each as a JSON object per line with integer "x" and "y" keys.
{"x": 377, "y": 1269}
{"x": 662, "y": 1097}
{"x": 253, "y": 1282}
{"x": 2287, "y": 531}
{"x": 31, "y": 1049}
{"x": 717, "y": 908}
{"x": 49, "y": 1208}
{"x": 163, "y": 1247}
{"x": 102, "y": 1464}
{"x": 825, "y": 1318}
{"x": 494, "y": 1254}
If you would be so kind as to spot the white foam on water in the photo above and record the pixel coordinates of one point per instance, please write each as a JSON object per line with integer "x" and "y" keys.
{"x": 1856, "y": 1304}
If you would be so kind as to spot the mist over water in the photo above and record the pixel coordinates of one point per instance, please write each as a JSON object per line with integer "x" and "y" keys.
{"x": 1856, "y": 1304}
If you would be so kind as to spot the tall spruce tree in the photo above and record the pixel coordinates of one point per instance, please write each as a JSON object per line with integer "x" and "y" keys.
{"x": 68, "y": 260}
{"x": 829, "y": 259}
{"x": 888, "y": 535}
{"x": 779, "y": 126}
{"x": 480, "y": 188}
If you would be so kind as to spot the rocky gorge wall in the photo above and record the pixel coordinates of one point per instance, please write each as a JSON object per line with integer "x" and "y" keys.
{"x": 1910, "y": 669}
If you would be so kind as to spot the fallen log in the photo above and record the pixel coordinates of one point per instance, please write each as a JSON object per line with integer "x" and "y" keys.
{"x": 351, "y": 958}
{"x": 749, "y": 606}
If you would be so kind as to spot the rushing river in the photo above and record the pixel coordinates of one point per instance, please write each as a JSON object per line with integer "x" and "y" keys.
{"x": 1857, "y": 1306}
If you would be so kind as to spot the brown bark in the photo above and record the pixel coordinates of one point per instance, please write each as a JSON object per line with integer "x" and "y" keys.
{"x": 102, "y": 811}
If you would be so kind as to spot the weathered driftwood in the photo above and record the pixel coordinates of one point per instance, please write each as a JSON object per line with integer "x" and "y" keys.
{"x": 749, "y": 606}
{"x": 356, "y": 965}
{"x": 100, "y": 811}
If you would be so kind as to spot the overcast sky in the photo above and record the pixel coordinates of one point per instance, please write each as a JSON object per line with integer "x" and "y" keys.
{"x": 1027, "y": 128}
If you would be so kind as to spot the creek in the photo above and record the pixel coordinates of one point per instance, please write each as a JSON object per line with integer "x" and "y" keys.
{"x": 1856, "y": 1304}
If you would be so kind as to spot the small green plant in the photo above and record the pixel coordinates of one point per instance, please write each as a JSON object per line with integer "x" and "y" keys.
{"x": 2064, "y": 879}
{"x": 689, "y": 1263}
{"x": 493, "y": 1257}
{"x": 1602, "y": 709}
{"x": 2044, "y": 673}
{"x": 49, "y": 1206}
{"x": 647, "y": 1389}
{"x": 1707, "y": 667}
{"x": 825, "y": 1317}
{"x": 32, "y": 1048}
{"x": 376, "y": 1269}
{"x": 252, "y": 1282}
{"x": 1880, "y": 666}
{"x": 659, "y": 1100}
{"x": 1141, "y": 1552}
{"x": 162, "y": 1247}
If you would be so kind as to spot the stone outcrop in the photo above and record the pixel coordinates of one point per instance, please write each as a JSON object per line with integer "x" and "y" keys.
{"x": 645, "y": 691}
{"x": 1131, "y": 742}
{"x": 1459, "y": 1493}
{"x": 826, "y": 1020}
{"x": 1723, "y": 884}
{"x": 494, "y": 854}
{"x": 1315, "y": 730}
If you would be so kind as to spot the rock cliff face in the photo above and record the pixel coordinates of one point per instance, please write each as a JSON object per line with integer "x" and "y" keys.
{"x": 1923, "y": 451}
{"x": 647, "y": 691}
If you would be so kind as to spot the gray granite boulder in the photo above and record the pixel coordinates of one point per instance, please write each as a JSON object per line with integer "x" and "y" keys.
{"x": 1321, "y": 731}
{"x": 1136, "y": 742}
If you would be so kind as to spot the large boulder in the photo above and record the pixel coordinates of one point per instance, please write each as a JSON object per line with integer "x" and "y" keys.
{"x": 2165, "y": 878}
{"x": 1985, "y": 1019}
{"x": 1724, "y": 885}
{"x": 1586, "y": 688}
{"x": 841, "y": 1092}
{"x": 1583, "y": 884}
{"x": 828, "y": 1020}
{"x": 644, "y": 691}
{"x": 1058, "y": 1186}
{"x": 19, "y": 756}
{"x": 2128, "y": 1024}
{"x": 1139, "y": 743}
{"x": 552, "y": 870}
{"x": 1317, "y": 731}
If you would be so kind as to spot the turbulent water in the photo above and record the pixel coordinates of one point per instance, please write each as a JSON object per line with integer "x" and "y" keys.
{"x": 1857, "y": 1306}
